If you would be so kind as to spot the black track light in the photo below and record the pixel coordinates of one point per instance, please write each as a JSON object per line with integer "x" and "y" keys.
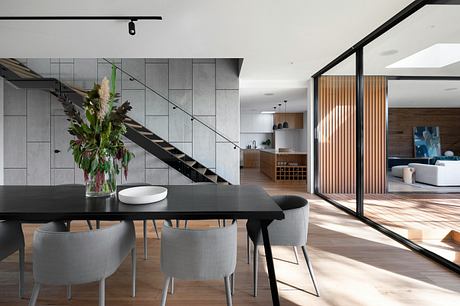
{"x": 132, "y": 27}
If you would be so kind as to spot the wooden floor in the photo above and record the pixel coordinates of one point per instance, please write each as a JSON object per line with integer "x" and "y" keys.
{"x": 428, "y": 219}
{"x": 354, "y": 265}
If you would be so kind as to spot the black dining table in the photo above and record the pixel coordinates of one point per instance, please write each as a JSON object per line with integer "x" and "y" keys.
{"x": 187, "y": 202}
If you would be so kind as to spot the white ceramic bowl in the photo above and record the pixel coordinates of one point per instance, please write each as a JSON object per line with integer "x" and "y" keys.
{"x": 142, "y": 194}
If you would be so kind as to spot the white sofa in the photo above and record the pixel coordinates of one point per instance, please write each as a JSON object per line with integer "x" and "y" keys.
{"x": 443, "y": 173}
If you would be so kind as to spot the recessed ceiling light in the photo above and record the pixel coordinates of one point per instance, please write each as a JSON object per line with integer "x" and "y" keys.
{"x": 451, "y": 89}
{"x": 389, "y": 52}
{"x": 436, "y": 56}
{"x": 267, "y": 112}
{"x": 269, "y": 94}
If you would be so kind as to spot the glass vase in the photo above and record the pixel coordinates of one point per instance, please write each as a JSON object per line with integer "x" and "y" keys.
{"x": 103, "y": 183}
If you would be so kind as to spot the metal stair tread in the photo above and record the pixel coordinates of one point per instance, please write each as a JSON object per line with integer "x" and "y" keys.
{"x": 190, "y": 162}
{"x": 201, "y": 170}
{"x": 179, "y": 155}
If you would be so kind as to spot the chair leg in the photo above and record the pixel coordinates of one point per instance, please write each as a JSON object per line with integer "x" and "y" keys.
{"x": 186, "y": 224}
{"x": 98, "y": 224}
{"x": 90, "y": 226}
{"x": 69, "y": 292}
{"x": 34, "y": 295}
{"x": 247, "y": 248}
{"x": 172, "y": 285}
{"x": 228, "y": 292}
{"x": 21, "y": 272}
{"x": 232, "y": 284}
{"x": 156, "y": 228}
{"x": 310, "y": 269}
{"x": 145, "y": 239}
{"x": 296, "y": 255}
{"x": 133, "y": 272}
{"x": 102, "y": 292}
{"x": 165, "y": 291}
{"x": 255, "y": 269}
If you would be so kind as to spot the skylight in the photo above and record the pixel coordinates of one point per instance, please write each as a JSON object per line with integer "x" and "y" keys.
{"x": 436, "y": 56}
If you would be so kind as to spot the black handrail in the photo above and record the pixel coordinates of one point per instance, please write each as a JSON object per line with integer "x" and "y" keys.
{"x": 174, "y": 104}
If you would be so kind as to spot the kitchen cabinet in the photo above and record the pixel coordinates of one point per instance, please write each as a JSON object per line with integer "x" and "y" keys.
{"x": 295, "y": 120}
{"x": 251, "y": 158}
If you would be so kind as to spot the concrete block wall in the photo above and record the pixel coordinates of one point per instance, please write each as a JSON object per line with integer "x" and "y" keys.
{"x": 36, "y": 138}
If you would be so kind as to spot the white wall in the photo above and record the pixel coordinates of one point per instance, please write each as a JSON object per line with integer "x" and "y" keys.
{"x": 1, "y": 131}
{"x": 310, "y": 139}
{"x": 255, "y": 126}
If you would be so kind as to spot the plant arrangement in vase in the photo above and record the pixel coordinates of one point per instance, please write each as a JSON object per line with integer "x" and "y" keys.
{"x": 97, "y": 147}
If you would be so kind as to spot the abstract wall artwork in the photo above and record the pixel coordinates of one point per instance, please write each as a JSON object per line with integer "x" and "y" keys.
{"x": 427, "y": 142}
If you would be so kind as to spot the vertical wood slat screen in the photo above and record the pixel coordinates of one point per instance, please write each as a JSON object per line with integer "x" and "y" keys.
{"x": 337, "y": 128}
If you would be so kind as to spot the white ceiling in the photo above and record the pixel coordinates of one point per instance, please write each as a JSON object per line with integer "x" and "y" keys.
{"x": 430, "y": 25}
{"x": 410, "y": 93}
{"x": 255, "y": 100}
{"x": 279, "y": 40}
{"x": 282, "y": 42}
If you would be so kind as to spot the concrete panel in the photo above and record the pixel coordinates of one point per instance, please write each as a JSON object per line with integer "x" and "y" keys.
{"x": 204, "y": 142}
{"x": 228, "y": 114}
{"x": 56, "y": 107}
{"x": 157, "y": 80}
{"x": 15, "y": 142}
{"x": 185, "y": 147}
{"x": 85, "y": 72}
{"x": 176, "y": 178}
{"x": 133, "y": 67}
{"x": 41, "y": 66}
{"x": 180, "y": 123}
{"x": 227, "y": 74}
{"x": 61, "y": 142}
{"x": 152, "y": 162}
{"x": 63, "y": 72}
{"x": 137, "y": 100}
{"x": 180, "y": 74}
{"x": 14, "y": 100}
{"x": 157, "y": 176}
{"x": 15, "y": 177}
{"x": 228, "y": 162}
{"x": 204, "y": 89}
{"x": 63, "y": 176}
{"x": 136, "y": 168}
{"x": 38, "y": 115}
{"x": 158, "y": 125}
{"x": 157, "y": 60}
{"x": 38, "y": 163}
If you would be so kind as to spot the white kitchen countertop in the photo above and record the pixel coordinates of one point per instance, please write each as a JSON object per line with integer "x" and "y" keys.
{"x": 274, "y": 151}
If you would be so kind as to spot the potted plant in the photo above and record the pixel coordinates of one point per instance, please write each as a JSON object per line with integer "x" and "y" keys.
{"x": 97, "y": 146}
{"x": 267, "y": 143}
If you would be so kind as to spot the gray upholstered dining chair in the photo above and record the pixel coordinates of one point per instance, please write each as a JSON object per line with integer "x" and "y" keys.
{"x": 291, "y": 231}
{"x": 66, "y": 258}
{"x": 12, "y": 240}
{"x": 198, "y": 254}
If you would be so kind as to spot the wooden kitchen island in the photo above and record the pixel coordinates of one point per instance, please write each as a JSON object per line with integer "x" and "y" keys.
{"x": 287, "y": 167}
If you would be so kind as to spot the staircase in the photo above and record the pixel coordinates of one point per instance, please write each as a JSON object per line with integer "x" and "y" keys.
{"x": 23, "y": 77}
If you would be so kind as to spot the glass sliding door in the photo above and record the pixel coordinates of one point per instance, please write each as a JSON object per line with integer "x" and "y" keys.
{"x": 336, "y": 132}
{"x": 412, "y": 89}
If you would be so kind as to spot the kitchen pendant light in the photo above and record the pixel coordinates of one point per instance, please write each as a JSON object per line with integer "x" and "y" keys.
{"x": 274, "y": 124}
{"x": 285, "y": 123}
{"x": 280, "y": 125}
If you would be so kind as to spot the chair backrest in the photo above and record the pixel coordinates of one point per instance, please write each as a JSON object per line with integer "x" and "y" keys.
{"x": 11, "y": 238}
{"x": 61, "y": 257}
{"x": 193, "y": 254}
{"x": 293, "y": 229}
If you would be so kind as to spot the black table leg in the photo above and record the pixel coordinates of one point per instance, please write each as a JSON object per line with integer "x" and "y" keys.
{"x": 270, "y": 266}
